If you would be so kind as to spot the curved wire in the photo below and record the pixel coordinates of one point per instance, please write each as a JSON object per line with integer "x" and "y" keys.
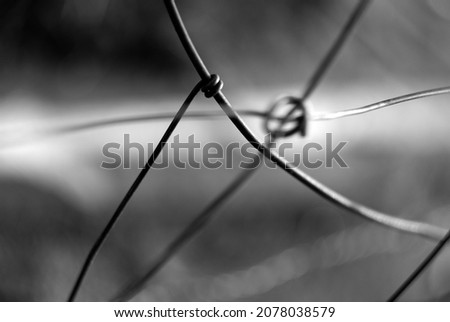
{"x": 335, "y": 49}
{"x": 147, "y": 117}
{"x": 410, "y": 226}
{"x": 101, "y": 239}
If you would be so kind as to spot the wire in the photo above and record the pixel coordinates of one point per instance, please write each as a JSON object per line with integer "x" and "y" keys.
{"x": 105, "y": 233}
{"x": 336, "y": 48}
{"x": 419, "y": 270}
{"x": 316, "y": 186}
{"x": 417, "y": 228}
{"x": 147, "y": 117}
{"x": 192, "y": 229}
{"x": 409, "y": 226}
{"x": 381, "y": 104}
{"x": 314, "y": 116}
{"x": 42, "y": 134}
{"x": 414, "y": 227}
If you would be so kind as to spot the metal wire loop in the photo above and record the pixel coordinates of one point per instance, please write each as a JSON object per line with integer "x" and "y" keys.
{"x": 212, "y": 86}
{"x": 281, "y": 126}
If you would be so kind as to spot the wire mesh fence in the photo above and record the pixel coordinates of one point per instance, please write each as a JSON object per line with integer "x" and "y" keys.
{"x": 288, "y": 115}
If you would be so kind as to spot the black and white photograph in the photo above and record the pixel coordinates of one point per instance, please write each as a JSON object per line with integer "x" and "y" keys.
{"x": 225, "y": 151}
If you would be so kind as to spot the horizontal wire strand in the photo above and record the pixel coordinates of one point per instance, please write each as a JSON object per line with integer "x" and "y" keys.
{"x": 193, "y": 228}
{"x": 314, "y": 116}
{"x": 336, "y": 48}
{"x": 379, "y": 105}
{"x": 339, "y": 248}
{"x": 243, "y": 176}
{"x": 409, "y": 226}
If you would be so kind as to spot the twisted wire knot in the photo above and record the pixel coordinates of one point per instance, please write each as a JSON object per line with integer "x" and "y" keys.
{"x": 212, "y": 86}
{"x": 294, "y": 121}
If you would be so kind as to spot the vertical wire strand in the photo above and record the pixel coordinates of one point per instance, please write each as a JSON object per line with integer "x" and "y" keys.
{"x": 205, "y": 216}
{"x": 117, "y": 213}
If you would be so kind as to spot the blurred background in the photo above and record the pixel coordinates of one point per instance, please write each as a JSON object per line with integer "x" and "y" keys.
{"x": 69, "y": 62}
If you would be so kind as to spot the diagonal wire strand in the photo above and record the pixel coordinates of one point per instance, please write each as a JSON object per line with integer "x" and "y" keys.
{"x": 393, "y": 222}
{"x": 184, "y": 237}
{"x": 336, "y": 48}
{"x": 409, "y": 226}
{"x": 315, "y": 116}
{"x": 419, "y": 270}
{"x": 148, "y": 117}
{"x": 379, "y": 105}
{"x": 104, "y": 234}
{"x": 243, "y": 177}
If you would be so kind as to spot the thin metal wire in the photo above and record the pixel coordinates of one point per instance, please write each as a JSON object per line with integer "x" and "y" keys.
{"x": 184, "y": 237}
{"x": 149, "y": 117}
{"x": 207, "y": 214}
{"x": 419, "y": 270}
{"x": 393, "y": 222}
{"x": 379, "y": 105}
{"x": 336, "y": 48}
{"x": 102, "y": 237}
{"x": 301, "y": 120}
{"x": 48, "y": 133}
{"x": 329, "y": 251}
{"x": 409, "y": 226}
{"x": 313, "y": 116}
